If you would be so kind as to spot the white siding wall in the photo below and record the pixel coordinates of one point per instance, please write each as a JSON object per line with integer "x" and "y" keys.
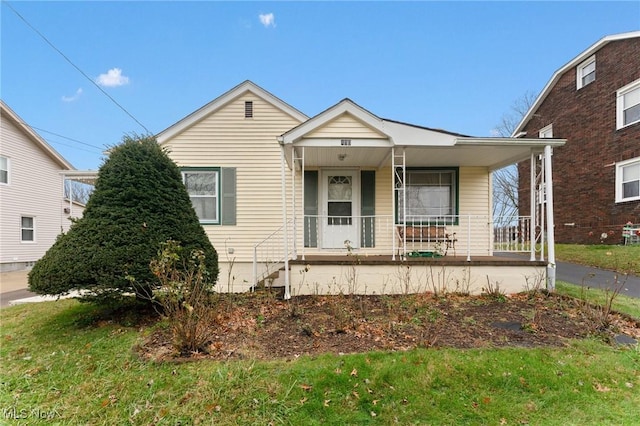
{"x": 226, "y": 139}
{"x": 34, "y": 189}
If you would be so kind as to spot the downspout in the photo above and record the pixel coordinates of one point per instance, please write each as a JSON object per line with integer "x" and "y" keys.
{"x": 287, "y": 289}
{"x": 551, "y": 252}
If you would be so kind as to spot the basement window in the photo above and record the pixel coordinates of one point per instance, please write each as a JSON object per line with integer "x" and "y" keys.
{"x": 248, "y": 109}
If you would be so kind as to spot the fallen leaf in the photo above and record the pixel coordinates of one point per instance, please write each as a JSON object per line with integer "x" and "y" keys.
{"x": 354, "y": 373}
{"x": 373, "y": 414}
{"x": 303, "y": 400}
{"x": 503, "y": 421}
{"x": 600, "y": 388}
{"x": 375, "y": 401}
{"x": 326, "y": 402}
{"x": 306, "y": 387}
{"x": 486, "y": 400}
{"x": 354, "y": 393}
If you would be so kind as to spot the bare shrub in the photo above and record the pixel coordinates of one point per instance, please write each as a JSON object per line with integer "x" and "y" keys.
{"x": 183, "y": 296}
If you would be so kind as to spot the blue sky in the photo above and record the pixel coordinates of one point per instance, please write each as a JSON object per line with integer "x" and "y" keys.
{"x": 458, "y": 66}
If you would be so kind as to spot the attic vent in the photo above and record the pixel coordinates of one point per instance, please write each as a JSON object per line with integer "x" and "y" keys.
{"x": 345, "y": 142}
{"x": 248, "y": 109}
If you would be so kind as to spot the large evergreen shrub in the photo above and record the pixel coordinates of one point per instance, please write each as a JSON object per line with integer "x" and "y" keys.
{"x": 138, "y": 203}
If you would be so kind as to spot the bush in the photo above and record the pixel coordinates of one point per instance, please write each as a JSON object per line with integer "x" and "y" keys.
{"x": 138, "y": 203}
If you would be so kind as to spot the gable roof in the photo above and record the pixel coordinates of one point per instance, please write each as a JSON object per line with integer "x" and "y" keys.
{"x": 8, "y": 113}
{"x": 409, "y": 133}
{"x": 219, "y": 102}
{"x": 573, "y": 63}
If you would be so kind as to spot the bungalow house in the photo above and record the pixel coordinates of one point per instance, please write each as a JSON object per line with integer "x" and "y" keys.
{"x": 33, "y": 209}
{"x": 346, "y": 201}
{"x": 593, "y": 101}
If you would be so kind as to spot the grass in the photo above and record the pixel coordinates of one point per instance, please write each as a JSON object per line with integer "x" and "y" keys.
{"x": 621, "y": 303}
{"x": 615, "y": 258}
{"x": 63, "y": 360}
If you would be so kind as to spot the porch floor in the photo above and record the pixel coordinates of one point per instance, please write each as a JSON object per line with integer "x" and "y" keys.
{"x": 496, "y": 260}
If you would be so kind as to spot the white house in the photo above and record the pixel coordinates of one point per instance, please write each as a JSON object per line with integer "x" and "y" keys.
{"x": 33, "y": 210}
{"x": 348, "y": 201}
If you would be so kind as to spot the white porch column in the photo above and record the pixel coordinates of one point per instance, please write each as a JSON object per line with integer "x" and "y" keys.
{"x": 287, "y": 286}
{"x": 551, "y": 252}
{"x": 532, "y": 208}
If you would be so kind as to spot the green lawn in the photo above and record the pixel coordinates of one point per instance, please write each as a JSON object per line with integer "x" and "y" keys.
{"x": 84, "y": 372}
{"x": 615, "y": 258}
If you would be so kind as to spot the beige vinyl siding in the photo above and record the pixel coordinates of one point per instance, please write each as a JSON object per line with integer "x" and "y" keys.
{"x": 34, "y": 190}
{"x": 475, "y": 206}
{"x": 346, "y": 126}
{"x": 226, "y": 139}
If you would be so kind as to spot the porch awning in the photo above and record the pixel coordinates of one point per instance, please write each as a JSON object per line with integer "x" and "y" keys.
{"x": 493, "y": 153}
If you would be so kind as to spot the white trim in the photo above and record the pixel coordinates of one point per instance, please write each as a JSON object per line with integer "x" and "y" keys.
{"x": 575, "y": 61}
{"x": 33, "y": 136}
{"x": 342, "y": 107}
{"x": 619, "y": 167}
{"x": 580, "y": 72}
{"x": 546, "y": 132}
{"x": 7, "y": 169}
{"x": 620, "y": 94}
{"x": 33, "y": 229}
{"x": 223, "y": 100}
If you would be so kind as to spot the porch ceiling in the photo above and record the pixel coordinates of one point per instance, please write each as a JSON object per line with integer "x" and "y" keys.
{"x": 490, "y": 153}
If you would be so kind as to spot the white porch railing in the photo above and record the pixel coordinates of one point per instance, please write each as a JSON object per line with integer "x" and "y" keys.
{"x": 460, "y": 235}
{"x": 269, "y": 254}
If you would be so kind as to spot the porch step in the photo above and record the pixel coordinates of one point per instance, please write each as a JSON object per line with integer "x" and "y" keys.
{"x": 274, "y": 283}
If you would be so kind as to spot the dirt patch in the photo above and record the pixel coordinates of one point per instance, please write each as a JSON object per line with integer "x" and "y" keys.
{"x": 260, "y": 326}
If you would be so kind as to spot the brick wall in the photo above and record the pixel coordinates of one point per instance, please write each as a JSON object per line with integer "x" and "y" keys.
{"x": 583, "y": 169}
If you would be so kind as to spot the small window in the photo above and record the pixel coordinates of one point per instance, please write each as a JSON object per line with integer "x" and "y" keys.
{"x": 628, "y": 105}
{"x": 546, "y": 132}
{"x": 628, "y": 180}
{"x": 203, "y": 188}
{"x": 248, "y": 109}
{"x": 27, "y": 228}
{"x": 4, "y": 169}
{"x": 586, "y": 72}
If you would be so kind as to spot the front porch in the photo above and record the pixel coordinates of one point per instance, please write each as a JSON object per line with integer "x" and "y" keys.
{"x": 381, "y": 274}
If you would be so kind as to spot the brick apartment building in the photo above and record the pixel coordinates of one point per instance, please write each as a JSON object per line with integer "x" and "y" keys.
{"x": 594, "y": 102}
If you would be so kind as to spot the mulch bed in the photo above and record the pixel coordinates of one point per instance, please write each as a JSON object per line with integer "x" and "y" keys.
{"x": 258, "y": 326}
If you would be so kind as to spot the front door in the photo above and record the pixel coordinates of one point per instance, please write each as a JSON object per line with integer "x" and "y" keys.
{"x": 340, "y": 206}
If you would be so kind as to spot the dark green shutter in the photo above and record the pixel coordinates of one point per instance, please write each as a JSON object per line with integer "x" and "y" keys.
{"x": 311, "y": 208}
{"x": 367, "y": 207}
{"x": 228, "y": 201}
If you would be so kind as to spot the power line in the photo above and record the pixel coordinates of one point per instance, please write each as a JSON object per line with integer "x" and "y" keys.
{"x": 75, "y": 66}
{"x": 62, "y": 136}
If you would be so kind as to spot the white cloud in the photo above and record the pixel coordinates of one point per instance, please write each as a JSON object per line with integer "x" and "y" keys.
{"x": 73, "y": 98}
{"x": 112, "y": 78}
{"x": 268, "y": 19}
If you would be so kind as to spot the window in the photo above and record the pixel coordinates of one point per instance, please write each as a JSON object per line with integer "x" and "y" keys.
{"x": 248, "y": 109}
{"x": 628, "y": 105}
{"x": 586, "y": 72}
{"x": 27, "y": 228}
{"x": 4, "y": 169}
{"x": 628, "y": 180}
{"x": 546, "y": 132}
{"x": 431, "y": 196}
{"x": 203, "y": 188}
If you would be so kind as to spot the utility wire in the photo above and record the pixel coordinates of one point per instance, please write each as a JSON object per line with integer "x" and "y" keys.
{"x": 75, "y": 66}
{"x": 62, "y": 136}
